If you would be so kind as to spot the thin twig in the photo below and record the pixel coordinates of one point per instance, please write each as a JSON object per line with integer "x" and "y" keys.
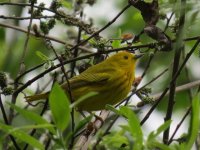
{"x": 168, "y": 21}
{"x": 178, "y": 125}
{"x": 26, "y": 18}
{"x": 180, "y": 88}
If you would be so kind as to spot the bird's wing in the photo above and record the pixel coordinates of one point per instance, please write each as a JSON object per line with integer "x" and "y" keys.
{"x": 86, "y": 79}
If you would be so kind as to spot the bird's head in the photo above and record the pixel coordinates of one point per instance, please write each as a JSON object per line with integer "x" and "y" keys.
{"x": 125, "y": 59}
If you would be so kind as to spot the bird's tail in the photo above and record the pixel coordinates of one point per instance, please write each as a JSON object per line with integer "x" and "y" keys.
{"x": 37, "y": 97}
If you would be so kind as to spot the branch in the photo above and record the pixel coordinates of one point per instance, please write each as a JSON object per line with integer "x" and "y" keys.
{"x": 181, "y": 88}
{"x": 42, "y": 36}
{"x": 178, "y": 49}
{"x": 26, "y": 18}
{"x": 168, "y": 21}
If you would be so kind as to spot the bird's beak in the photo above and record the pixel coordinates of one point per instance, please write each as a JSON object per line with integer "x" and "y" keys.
{"x": 138, "y": 55}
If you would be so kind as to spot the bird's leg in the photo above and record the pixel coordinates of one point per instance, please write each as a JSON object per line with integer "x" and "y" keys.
{"x": 90, "y": 127}
{"x": 92, "y": 124}
{"x": 97, "y": 117}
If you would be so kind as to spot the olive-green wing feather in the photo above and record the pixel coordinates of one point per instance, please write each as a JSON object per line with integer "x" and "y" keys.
{"x": 86, "y": 79}
{"x": 37, "y": 97}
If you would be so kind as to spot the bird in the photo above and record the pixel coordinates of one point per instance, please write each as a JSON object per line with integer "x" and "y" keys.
{"x": 111, "y": 79}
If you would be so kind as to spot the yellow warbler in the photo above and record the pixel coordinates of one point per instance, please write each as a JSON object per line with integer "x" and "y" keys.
{"x": 111, "y": 79}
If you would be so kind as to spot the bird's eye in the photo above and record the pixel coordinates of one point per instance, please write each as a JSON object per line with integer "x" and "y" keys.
{"x": 125, "y": 57}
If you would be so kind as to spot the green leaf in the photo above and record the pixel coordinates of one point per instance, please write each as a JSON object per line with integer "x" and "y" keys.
{"x": 21, "y": 135}
{"x": 157, "y": 145}
{"x": 134, "y": 125}
{"x": 32, "y": 127}
{"x": 194, "y": 123}
{"x": 115, "y": 140}
{"x": 116, "y": 43}
{"x": 60, "y": 107}
{"x": 32, "y": 117}
{"x": 119, "y": 34}
{"x": 67, "y": 4}
{"x": 42, "y": 56}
